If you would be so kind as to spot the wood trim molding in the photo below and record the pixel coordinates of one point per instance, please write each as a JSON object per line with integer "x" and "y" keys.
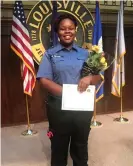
{"x": 107, "y": 16}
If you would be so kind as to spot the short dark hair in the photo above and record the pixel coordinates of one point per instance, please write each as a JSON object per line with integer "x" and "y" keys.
{"x": 62, "y": 17}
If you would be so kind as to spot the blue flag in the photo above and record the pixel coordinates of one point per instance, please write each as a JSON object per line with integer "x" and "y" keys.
{"x": 54, "y": 36}
{"x": 97, "y": 40}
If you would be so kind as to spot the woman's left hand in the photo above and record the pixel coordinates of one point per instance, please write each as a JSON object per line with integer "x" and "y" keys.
{"x": 86, "y": 81}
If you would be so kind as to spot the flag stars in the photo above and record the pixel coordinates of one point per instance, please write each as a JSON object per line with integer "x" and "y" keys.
{"x": 19, "y": 12}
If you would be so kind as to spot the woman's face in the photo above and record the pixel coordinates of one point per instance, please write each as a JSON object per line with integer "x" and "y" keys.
{"x": 66, "y": 32}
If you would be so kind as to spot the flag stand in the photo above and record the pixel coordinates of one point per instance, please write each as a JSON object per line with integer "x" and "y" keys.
{"x": 95, "y": 123}
{"x": 28, "y": 131}
{"x": 121, "y": 119}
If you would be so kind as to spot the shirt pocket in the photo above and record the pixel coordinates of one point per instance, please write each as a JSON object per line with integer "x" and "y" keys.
{"x": 57, "y": 59}
{"x": 80, "y": 61}
{"x": 58, "y": 63}
{"x": 81, "y": 58}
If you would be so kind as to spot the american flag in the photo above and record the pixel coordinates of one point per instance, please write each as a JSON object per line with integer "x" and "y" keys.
{"x": 20, "y": 44}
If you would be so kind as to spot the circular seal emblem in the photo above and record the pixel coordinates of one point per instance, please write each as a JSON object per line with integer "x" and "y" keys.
{"x": 39, "y": 24}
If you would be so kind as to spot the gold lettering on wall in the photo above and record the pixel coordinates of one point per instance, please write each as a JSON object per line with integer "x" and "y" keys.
{"x": 90, "y": 34}
{"x": 65, "y": 3}
{"x": 39, "y": 52}
{"x": 81, "y": 17}
{"x": 51, "y": 6}
{"x": 33, "y": 35}
{"x": 88, "y": 23}
{"x": 59, "y": 5}
{"x": 34, "y": 25}
{"x": 37, "y": 16}
{"x": 76, "y": 12}
{"x": 72, "y": 7}
{"x": 44, "y": 9}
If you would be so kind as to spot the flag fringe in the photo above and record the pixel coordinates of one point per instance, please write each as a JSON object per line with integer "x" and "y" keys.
{"x": 114, "y": 84}
{"x": 99, "y": 98}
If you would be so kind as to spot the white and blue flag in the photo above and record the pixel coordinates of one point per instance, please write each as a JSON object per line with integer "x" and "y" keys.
{"x": 118, "y": 74}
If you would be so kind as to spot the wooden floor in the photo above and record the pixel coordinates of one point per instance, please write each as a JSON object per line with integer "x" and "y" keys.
{"x": 109, "y": 145}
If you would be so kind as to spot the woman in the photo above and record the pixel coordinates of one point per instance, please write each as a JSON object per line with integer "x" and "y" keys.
{"x": 62, "y": 65}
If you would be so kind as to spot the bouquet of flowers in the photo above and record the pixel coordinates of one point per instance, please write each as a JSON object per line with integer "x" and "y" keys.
{"x": 96, "y": 62}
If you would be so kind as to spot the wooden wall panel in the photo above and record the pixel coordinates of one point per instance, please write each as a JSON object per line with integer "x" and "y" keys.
{"x": 12, "y": 86}
{"x": 13, "y": 99}
{"x": 112, "y": 103}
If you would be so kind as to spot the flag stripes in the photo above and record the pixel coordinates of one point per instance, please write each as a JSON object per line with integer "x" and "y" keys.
{"x": 20, "y": 44}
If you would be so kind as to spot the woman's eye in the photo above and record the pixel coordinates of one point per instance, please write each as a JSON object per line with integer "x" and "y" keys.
{"x": 62, "y": 29}
{"x": 70, "y": 29}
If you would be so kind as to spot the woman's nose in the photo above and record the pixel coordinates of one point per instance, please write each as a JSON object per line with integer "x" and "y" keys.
{"x": 67, "y": 31}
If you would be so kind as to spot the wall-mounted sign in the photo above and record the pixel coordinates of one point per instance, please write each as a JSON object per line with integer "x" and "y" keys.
{"x": 39, "y": 24}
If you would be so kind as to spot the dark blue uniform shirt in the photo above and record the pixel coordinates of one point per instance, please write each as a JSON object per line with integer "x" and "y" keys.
{"x": 61, "y": 65}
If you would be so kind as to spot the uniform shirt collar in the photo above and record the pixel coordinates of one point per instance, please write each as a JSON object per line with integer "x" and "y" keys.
{"x": 60, "y": 47}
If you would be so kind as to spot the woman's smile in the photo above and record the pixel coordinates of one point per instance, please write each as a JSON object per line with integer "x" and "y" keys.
{"x": 66, "y": 32}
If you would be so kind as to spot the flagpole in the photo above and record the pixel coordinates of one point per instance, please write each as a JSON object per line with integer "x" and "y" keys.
{"x": 97, "y": 40}
{"x": 95, "y": 123}
{"x": 121, "y": 119}
{"x": 121, "y": 115}
{"x": 28, "y": 131}
{"x": 27, "y": 110}
{"x": 22, "y": 39}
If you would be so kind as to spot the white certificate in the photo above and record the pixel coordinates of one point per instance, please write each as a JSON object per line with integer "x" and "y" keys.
{"x": 73, "y": 100}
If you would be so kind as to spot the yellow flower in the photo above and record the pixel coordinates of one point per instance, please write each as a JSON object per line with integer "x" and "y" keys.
{"x": 102, "y": 60}
{"x": 105, "y": 64}
{"x": 95, "y": 48}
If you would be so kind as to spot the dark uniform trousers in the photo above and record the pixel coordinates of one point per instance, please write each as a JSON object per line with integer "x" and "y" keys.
{"x": 70, "y": 131}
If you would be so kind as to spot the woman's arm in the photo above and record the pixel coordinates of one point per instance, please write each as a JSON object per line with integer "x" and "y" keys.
{"x": 51, "y": 86}
{"x": 45, "y": 76}
{"x": 95, "y": 79}
{"x": 88, "y": 80}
